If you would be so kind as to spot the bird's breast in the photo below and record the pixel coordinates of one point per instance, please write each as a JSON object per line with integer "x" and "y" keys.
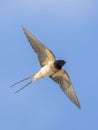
{"x": 45, "y": 71}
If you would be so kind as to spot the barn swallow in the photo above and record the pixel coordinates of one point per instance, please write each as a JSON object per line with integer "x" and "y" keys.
{"x": 50, "y": 67}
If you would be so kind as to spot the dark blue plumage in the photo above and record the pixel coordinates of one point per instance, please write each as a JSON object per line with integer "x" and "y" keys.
{"x": 59, "y": 63}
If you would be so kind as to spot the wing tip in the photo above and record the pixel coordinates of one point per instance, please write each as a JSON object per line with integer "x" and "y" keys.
{"x": 73, "y": 97}
{"x": 28, "y": 34}
{"x": 75, "y": 100}
{"x": 78, "y": 105}
{"x": 24, "y": 29}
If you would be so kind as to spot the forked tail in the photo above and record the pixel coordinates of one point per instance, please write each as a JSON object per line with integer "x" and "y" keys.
{"x": 30, "y": 77}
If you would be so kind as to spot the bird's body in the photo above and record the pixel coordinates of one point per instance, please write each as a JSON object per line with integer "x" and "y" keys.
{"x": 48, "y": 70}
{"x": 50, "y": 67}
{"x": 45, "y": 71}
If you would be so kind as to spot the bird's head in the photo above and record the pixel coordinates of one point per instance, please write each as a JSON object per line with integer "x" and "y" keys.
{"x": 59, "y": 63}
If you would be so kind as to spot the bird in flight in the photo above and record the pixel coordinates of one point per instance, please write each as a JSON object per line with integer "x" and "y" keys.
{"x": 50, "y": 67}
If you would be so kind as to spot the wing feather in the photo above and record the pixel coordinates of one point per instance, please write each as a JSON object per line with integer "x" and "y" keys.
{"x": 61, "y": 77}
{"x": 44, "y": 54}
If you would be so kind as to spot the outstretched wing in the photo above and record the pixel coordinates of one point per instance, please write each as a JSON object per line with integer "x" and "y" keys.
{"x": 62, "y": 78}
{"x": 44, "y": 54}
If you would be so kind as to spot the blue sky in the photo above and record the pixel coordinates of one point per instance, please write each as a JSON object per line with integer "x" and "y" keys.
{"x": 70, "y": 29}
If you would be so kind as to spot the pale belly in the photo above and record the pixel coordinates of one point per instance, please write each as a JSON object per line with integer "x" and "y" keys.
{"x": 44, "y": 72}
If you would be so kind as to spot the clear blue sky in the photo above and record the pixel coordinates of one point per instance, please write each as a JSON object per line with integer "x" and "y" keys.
{"x": 70, "y": 29}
